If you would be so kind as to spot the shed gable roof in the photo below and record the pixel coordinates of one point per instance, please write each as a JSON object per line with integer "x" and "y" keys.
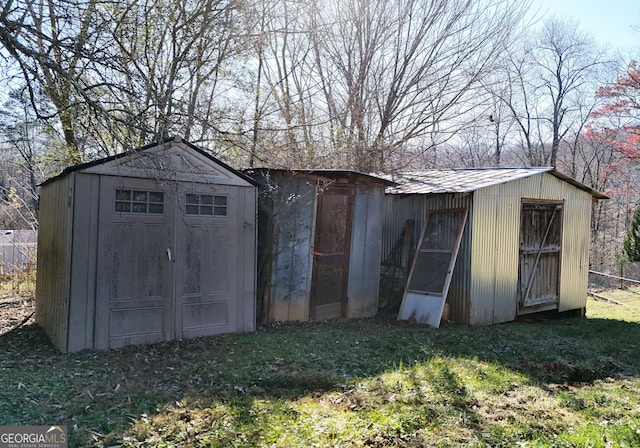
{"x": 467, "y": 180}
{"x": 173, "y": 159}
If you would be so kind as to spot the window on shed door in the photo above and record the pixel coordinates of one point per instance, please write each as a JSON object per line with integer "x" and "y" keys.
{"x": 138, "y": 201}
{"x": 206, "y": 205}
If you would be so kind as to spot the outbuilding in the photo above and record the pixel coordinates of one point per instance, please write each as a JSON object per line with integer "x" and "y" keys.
{"x": 488, "y": 244}
{"x": 146, "y": 246}
{"x": 319, "y": 244}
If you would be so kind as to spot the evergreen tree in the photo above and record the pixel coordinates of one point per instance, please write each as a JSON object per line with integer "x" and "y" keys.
{"x": 631, "y": 245}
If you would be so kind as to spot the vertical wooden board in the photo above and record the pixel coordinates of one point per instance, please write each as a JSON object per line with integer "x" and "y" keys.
{"x": 293, "y": 210}
{"x": 365, "y": 254}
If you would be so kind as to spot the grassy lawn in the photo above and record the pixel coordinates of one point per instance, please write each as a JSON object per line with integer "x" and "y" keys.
{"x": 377, "y": 383}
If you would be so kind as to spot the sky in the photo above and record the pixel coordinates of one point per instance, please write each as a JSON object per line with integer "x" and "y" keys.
{"x": 609, "y": 21}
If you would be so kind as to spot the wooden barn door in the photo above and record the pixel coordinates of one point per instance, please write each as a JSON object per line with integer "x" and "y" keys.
{"x": 134, "y": 287}
{"x": 540, "y": 245}
{"x": 330, "y": 277}
{"x": 206, "y": 261}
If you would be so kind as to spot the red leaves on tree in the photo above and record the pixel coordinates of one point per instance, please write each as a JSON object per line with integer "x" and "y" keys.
{"x": 617, "y": 120}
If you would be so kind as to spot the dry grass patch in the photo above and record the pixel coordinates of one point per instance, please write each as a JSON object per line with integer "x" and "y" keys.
{"x": 363, "y": 383}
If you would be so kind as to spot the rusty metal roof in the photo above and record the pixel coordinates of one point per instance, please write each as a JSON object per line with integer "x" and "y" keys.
{"x": 467, "y": 180}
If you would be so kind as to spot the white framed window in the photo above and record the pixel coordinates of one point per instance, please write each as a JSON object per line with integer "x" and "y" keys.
{"x": 206, "y": 205}
{"x": 139, "y": 201}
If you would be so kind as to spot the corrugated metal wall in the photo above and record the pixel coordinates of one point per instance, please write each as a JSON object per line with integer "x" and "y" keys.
{"x": 292, "y": 214}
{"x": 54, "y": 259}
{"x": 398, "y": 209}
{"x": 484, "y": 287}
{"x": 364, "y": 262}
{"x": 495, "y": 248}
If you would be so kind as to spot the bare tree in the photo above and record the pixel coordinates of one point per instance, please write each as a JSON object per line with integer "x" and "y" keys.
{"x": 362, "y": 84}
{"x": 396, "y": 75}
{"x": 552, "y": 80}
{"x": 50, "y": 43}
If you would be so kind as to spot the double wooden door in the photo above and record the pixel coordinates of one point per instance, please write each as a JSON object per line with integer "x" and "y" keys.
{"x": 540, "y": 250}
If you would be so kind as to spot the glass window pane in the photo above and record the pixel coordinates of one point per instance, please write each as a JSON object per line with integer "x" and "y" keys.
{"x": 156, "y": 196}
{"x": 206, "y": 210}
{"x": 220, "y": 211}
{"x": 156, "y": 208}
{"x": 123, "y": 195}
{"x": 220, "y": 200}
{"x": 140, "y": 196}
{"x": 206, "y": 199}
{"x": 139, "y": 207}
{"x": 192, "y": 199}
{"x": 192, "y": 209}
{"x": 123, "y": 207}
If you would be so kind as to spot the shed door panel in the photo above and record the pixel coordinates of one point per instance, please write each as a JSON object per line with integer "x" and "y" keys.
{"x": 432, "y": 268}
{"x": 206, "y": 261}
{"x": 134, "y": 286}
{"x": 540, "y": 244}
{"x": 331, "y": 249}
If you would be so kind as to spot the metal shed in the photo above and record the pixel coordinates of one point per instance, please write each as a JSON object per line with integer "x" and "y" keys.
{"x": 320, "y": 241}
{"x": 524, "y": 246}
{"x": 152, "y": 245}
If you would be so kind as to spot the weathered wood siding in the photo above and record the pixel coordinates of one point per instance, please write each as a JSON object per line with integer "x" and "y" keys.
{"x": 54, "y": 259}
{"x": 495, "y": 246}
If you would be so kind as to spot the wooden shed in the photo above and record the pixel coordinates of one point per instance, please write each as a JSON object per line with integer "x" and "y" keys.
{"x": 494, "y": 243}
{"x": 152, "y": 245}
{"x": 320, "y": 241}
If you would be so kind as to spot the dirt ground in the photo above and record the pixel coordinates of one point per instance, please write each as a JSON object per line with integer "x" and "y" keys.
{"x": 15, "y": 312}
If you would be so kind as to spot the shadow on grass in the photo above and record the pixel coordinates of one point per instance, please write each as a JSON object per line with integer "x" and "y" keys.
{"x": 225, "y": 381}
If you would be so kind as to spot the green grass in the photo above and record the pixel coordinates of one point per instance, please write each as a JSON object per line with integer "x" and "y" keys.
{"x": 360, "y": 383}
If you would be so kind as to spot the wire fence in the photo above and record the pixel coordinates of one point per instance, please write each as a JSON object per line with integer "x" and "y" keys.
{"x": 622, "y": 276}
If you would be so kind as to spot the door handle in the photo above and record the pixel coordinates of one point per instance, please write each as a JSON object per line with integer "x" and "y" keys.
{"x": 169, "y": 254}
